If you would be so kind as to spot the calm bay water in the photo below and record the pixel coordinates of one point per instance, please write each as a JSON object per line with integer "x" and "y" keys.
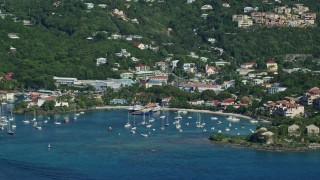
{"x": 85, "y": 149}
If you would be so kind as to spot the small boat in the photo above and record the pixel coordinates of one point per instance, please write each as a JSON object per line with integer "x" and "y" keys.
{"x": 227, "y": 129}
{"x": 230, "y": 124}
{"x": 219, "y": 131}
{"x": 133, "y": 128}
{"x": 128, "y": 125}
{"x": 38, "y": 127}
{"x": 149, "y": 126}
{"x": 26, "y": 121}
{"x": 233, "y": 119}
{"x": 219, "y": 122}
{"x": 253, "y": 121}
{"x": 180, "y": 130}
{"x": 66, "y": 120}
{"x": 144, "y": 135}
{"x": 187, "y": 124}
{"x": 178, "y": 117}
{"x": 214, "y": 118}
{"x": 183, "y": 111}
{"x": 212, "y": 128}
{"x": 57, "y": 123}
{"x": 10, "y": 132}
{"x": 178, "y": 126}
{"x": 204, "y": 130}
{"x": 133, "y": 131}
{"x": 162, "y": 128}
{"x": 151, "y": 120}
{"x": 162, "y": 117}
{"x": 81, "y": 112}
{"x": 14, "y": 126}
{"x": 35, "y": 124}
{"x": 110, "y": 128}
{"x": 77, "y": 114}
{"x": 49, "y": 146}
{"x": 189, "y": 117}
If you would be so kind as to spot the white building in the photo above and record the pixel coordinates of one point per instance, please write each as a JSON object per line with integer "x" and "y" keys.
{"x": 101, "y": 61}
{"x": 64, "y": 80}
{"x": 272, "y": 90}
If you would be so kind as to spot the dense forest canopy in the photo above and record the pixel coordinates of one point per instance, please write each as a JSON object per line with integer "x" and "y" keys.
{"x": 57, "y": 45}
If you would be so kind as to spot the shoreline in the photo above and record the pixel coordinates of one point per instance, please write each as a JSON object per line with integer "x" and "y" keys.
{"x": 179, "y": 109}
{"x": 269, "y": 148}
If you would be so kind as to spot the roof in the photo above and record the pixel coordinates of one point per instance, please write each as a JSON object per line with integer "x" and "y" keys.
{"x": 312, "y": 126}
{"x": 4, "y": 92}
{"x": 49, "y": 98}
{"x": 294, "y": 126}
{"x": 140, "y": 65}
{"x": 202, "y": 85}
{"x": 229, "y": 100}
{"x": 314, "y": 90}
{"x": 249, "y": 63}
{"x": 271, "y": 62}
{"x": 158, "y": 77}
{"x": 211, "y": 67}
{"x": 136, "y": 44}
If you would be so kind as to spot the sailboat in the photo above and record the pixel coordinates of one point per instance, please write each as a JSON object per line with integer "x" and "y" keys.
{"x": 198, "y": 123}
{"x": 134, "y": 124}
{"x": 10, "y": 131}
{"x": 149, "y": 122}
{"x": 14, "y": 124}
{"x": 57, "y": 122}
{"x": 11, "y": 118}
{"x": 25, "y": 120}
{"x": 144, "y": 120}
{"x": 162, "y": 124}
{"x": 128, "y": 125}
{"x": 167, "y": 116}
{"x": 34, "y": 116}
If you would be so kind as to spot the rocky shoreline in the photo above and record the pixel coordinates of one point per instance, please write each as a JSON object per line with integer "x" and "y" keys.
{"x": 266, "y": 147}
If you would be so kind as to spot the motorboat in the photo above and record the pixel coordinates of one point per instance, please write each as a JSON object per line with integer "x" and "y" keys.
{"x": 253, "y": 121}
{"x": 144, "y": 135}
{"x": 233, "y": 119}
{"x": 214, "y": 118}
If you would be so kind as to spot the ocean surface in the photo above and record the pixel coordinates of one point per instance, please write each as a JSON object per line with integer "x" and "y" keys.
{"x": 85, "y": 149}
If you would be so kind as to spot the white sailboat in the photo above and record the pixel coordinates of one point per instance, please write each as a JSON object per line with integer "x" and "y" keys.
{"x": 34, "y": 116}
{"x": 134, "y": 124}
{"x": 128, "y": 125}
{"x": 14, "y": 126}
{"x": 10, "y": 131}
{"x": 56, "y": 122}
{"x": 198, "y": 123}
{"x": 25, "y": 119}
{"x": 167, "y": 123}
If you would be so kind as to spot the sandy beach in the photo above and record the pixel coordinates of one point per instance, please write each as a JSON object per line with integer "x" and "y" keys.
{"x": 179, "y": 109}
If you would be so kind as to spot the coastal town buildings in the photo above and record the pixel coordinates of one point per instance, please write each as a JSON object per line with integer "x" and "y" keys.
{"x": 286, "y": 109}
{"x": 283, "y": 16}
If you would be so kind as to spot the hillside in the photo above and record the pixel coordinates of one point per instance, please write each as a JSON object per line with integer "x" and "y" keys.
{"x": 56, "y": 43}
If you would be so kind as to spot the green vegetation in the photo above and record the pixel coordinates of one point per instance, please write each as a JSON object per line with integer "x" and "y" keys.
{"x": 56, "y": 43}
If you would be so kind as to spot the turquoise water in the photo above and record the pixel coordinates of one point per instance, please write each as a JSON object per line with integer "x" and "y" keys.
{"x": 85, "y": 149}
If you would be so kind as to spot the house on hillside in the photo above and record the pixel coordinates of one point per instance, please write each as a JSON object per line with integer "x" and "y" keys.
{"x": 142, "y": 67}
{"x": 101, "y": 61}
{"x": 211, "y": 70}
{"x": 293, "y": 130}
{"x": 272, "y": 66}
{"x": 139, "y": 45}
{"x": 6, "y": 95}
{"x": 248, "y": 65}
{"x": 310, "y": 96}
{"x": 312, "y": 130}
